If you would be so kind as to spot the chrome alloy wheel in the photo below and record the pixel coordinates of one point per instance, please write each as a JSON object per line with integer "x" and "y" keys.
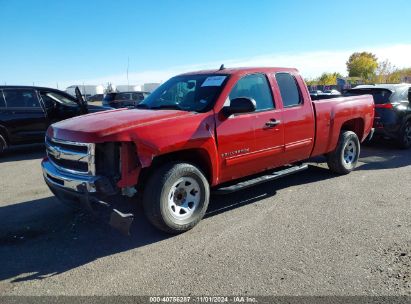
{"x": 184, "y": 197}
{"x": 350, "y": 152}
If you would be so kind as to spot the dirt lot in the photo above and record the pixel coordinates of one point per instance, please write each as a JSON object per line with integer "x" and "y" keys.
{"x": 309, "y": 234}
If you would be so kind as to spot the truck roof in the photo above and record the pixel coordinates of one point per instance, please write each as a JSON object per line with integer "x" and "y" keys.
{"x": 240, "y": 70}
{"x": 4, "y": 87}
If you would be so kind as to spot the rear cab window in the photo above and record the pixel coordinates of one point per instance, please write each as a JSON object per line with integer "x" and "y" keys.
{"x": 290, "y": 92}
{"x": 21, "y": 98}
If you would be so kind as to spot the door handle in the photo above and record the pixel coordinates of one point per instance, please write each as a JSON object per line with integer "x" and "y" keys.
{"x": 272, "y": 123}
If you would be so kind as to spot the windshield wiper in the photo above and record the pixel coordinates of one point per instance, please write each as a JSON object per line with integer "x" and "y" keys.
{"x": 142, "y": 106}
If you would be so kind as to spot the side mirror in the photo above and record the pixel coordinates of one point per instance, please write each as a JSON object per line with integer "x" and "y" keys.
{"x": 240, "y": 105}
{"x": 409, "y": 95}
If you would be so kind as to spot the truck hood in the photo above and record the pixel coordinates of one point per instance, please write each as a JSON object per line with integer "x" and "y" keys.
{"x": 98, "y": 126}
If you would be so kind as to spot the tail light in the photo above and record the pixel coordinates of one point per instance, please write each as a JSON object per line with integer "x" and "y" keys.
{"x": 384, "y": 106}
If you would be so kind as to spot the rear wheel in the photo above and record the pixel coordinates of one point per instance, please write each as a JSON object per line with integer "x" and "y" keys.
{"x": 405, "y": 136}
{"x": 344, "y": 158}
{"x": 176, "y": 197}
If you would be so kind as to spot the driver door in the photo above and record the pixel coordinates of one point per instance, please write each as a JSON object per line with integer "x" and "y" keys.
{"x": 58, "y": 106}
{"x": 250, "y": 143}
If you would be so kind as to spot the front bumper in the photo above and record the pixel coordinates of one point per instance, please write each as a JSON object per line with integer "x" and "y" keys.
{"x": 73, "y": 182}
{"x": 89, "y": 193}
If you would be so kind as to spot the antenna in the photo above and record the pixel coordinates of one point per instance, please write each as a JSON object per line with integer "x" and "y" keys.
{"x": 222, "y": 67}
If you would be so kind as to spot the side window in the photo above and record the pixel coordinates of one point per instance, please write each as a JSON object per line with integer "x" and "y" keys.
{"x": 2, "y": 101}
{"x": 290, "y": 93}
{"x": 254, "y": 86}
{"x": 48, "y": 101}
{"x": 50, "y": 98}
{"x": 138, "y": 96}
{"x": 21, "y": 98}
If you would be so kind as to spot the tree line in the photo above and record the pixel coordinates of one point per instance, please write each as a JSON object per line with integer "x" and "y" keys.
{"x": 364, "y": 67}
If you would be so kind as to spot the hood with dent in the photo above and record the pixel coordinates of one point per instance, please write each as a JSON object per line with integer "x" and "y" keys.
{"x": 97, "y": 126}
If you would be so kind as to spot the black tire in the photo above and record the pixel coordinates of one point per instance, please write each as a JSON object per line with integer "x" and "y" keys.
{"x": 345, "y": 157}
{"x": 3, "y": 144}
{"x": 405, "y": 136}
{"x": 167, "y": 186}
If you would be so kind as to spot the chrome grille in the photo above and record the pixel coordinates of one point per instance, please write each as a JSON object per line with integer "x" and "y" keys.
{"x": 72, "y": 157}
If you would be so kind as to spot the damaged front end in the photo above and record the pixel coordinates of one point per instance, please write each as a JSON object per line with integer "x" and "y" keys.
{"x": 95, "y": 177}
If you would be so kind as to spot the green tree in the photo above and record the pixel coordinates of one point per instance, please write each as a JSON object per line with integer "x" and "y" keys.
{"x": 397, "y": 75}
{"x": 311, "y": 82}
{"x": 385, "y": 72}
{"x": 362, "y": 65}
{"x": 329, "y": 78}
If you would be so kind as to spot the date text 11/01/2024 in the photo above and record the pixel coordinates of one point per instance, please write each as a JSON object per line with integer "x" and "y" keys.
{"x": 203, "y": 299}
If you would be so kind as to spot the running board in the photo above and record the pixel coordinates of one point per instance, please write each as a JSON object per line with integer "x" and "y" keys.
{"x": 260, "y": 179}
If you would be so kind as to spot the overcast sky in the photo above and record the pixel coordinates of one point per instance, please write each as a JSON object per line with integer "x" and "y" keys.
{"x": 75, "y": 42}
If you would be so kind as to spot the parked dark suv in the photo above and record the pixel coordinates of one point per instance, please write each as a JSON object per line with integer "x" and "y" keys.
{"x": 95, "y": 98}
{"x": 26, "y": 112}
{"x": 392, "y": 110}
{"x": 124, "y": 99}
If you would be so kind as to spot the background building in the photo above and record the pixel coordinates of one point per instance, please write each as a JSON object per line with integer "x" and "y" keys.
{"x": 90, "y": 90}
{"x": 86, "y": 90}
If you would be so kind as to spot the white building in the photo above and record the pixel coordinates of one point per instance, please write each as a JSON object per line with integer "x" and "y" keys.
{"x": 126, "y": 88}
{"x": 150, "y": 87}
{"x": 90, "y": 90}
{"x": 86, "y": 90}
{"x": 147, "y": 87}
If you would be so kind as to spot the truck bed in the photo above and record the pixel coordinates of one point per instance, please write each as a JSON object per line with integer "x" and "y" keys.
{"x": 332, "y": 113}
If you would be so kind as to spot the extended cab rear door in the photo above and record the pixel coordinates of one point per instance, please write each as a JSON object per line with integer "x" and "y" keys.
{"x": 297, "y": 117}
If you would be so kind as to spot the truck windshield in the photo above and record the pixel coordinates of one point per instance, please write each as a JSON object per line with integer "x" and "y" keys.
{"x": 196, "y": 93}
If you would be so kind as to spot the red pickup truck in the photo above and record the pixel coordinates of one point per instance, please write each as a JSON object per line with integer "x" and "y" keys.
{"x": 200, "y": 131}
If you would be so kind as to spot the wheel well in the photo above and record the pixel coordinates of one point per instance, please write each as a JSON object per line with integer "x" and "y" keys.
{"x": 355, "y": 125}
{"x": 196, "y": 157}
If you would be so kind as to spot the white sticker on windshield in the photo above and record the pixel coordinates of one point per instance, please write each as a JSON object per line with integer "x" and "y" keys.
{"x": 213, "y": 81}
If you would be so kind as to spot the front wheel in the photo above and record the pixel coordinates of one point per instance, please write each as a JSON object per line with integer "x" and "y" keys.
{"x": 345, "y": 157}
{"x": 176, "y": 197}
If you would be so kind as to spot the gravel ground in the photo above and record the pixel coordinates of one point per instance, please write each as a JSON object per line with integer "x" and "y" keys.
{"x": 312, "y": 233}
